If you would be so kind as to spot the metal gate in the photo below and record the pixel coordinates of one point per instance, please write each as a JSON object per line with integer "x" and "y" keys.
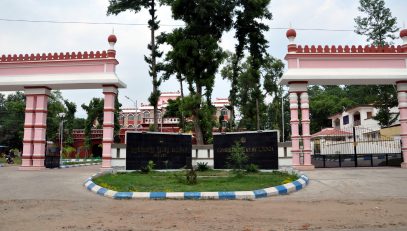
{"x": 355, "y": 147}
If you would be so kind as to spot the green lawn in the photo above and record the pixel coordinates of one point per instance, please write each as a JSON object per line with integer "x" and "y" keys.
{"x": 17, "y": 160}
{"x": 210, "y": 181}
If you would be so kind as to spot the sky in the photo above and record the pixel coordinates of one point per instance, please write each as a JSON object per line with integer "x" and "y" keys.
{"x": 25, "y": 37}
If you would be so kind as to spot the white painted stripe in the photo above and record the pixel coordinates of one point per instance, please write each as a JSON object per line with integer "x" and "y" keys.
{"x": 245, "y": 195}
{"x": 139, "y": 195}
{"x": 301, "y": 181}
{"x": 209, "y": 195}
{"x": 290, "y": 187}
{"x": 175, "y": 195}
{"x": 110, "y": 193}
{"x": 88, "y": 183}
{"x": 96, "y": 188}
{"x": 271, "y": 191}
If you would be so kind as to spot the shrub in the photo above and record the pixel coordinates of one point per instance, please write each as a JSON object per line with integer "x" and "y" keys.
{"x": 149, "y": 167}
{"x": 252, "y": 168}
{"x": 191, "y": 176}
{"x": 202, "y": 166}
{"x": 237, "y": 159}
{"x": 68, "y": 152}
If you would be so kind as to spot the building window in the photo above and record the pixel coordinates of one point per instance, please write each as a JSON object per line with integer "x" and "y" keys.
{"x": 337, "y": 123}
{"x": 131, "y": 126}
{"x": 146, "y": 114}
{"x": 346, "y": 120}
{"x": 224, "y": 124}
{"x": 224, "y": 112}
{"x": 121, "y": 119}
{"x": 369, "y": 115}
{"x": 131, "y": 117}
{"x": 138, "y": 116}
{"x": 356, "y": 119}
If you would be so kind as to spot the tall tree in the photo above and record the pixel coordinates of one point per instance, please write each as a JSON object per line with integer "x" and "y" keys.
{"x": 69, "y": 121}
{"x": 250, "y": 35}
{"x": 94, "y": 118}
{"x": 55, "y": 106}
{"x": 378, "y": 24}
{"x": 12, "y": 120}
{"x": 197, "y": 45}
{"x": 118, "y": 6}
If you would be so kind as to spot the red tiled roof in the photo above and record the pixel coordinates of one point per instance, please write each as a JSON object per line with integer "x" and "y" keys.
{"x": 331, "y": 132}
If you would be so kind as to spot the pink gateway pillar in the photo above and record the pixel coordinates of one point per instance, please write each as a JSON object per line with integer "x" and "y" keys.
{"x": 300, "y": 89}
{"x": 110, "y": 93}
{"x": 35, "y": 126}
{"x": 402, "y": 98}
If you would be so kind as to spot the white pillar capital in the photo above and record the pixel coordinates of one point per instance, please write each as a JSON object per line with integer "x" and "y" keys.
{"x": 298, "y": 87}
{"x": 37, "y": 91}
{"x": 110, "y": 89}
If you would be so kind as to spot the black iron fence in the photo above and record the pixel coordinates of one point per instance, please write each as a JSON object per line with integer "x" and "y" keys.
{"x": 359, "y": 160}
{"x": 355, "y": 147}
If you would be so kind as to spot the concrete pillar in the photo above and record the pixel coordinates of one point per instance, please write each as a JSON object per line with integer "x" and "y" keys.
{"x": 110, "y": 93}
{"x": 295, "y": 136}
{"x": 35, "y": 127}
{"x": 300, "y": 89}
{"x": 306, "y": 136}
{"x": 402, "y": 98}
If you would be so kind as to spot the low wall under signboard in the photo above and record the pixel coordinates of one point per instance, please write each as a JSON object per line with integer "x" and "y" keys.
{"x": 200, "y": 153}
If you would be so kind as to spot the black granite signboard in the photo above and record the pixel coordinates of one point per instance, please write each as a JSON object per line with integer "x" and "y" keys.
{"x": 260, "y": 147}
{"x": 167, "y": 150}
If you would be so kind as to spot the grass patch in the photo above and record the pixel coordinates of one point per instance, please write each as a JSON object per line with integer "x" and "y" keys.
{"x": 17, "y": 161}
{"x": 209, "y": 181}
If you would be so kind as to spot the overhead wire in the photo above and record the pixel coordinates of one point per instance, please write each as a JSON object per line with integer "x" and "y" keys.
{"x": 145, "y": 24}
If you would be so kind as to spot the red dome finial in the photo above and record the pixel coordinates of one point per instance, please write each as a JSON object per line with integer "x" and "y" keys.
{"x": 112, "y": 38}
{"x": 291, "y": 33}
{"x": 403, "y": 33}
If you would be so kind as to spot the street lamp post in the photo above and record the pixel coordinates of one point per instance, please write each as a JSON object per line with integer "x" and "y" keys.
{"x": 61, "y": 136}
{"x": 135, "y": 105}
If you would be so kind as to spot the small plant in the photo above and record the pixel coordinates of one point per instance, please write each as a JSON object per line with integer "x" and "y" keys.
{"x": 237, "y": 159}
{"x": 252, "y": 168}
{"x": 202, "y": 166}
{"x": 191, "y": 176}
{"x": 149, "y": 167}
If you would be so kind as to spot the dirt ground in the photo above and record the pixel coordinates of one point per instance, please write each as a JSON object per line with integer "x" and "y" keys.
{"x": 344, "y": 199}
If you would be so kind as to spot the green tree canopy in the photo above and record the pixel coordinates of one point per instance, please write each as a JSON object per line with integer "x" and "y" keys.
{"x": 118, "y": 6}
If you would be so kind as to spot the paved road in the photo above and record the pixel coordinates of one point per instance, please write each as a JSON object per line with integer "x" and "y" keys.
{"x": 336, "y": 199}
{"x": 360, "y": 183}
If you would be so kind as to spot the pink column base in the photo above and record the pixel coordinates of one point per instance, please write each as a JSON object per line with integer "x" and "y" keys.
{"x": 295, "y": 158}
{"x": 304, "y": 167}
{"x": 404, "y": 165}
{"x": 26, "y": 162}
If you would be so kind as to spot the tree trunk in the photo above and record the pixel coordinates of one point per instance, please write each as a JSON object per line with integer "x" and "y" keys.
{"x": 198, "y": 130}
{"x": 196, "y": 119}
{"x": 153, "y": 66}
{"x": 257, "y": 114}
{"x": 179, "y": 77}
